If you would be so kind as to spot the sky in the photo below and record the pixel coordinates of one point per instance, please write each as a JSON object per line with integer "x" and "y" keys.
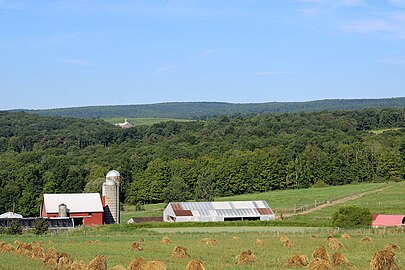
{"x": 68, "y": 53}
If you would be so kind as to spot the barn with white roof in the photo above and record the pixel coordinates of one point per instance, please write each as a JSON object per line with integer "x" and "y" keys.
{"x": 83, "y": 208}
{"x": 217, "y": 211}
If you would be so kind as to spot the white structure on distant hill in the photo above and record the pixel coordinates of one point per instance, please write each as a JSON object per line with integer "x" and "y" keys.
{"x": 217, "y": 211}
{"x": 126, "y": 124}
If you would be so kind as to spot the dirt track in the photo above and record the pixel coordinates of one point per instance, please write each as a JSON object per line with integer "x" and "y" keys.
{"x": 338, "y": 201}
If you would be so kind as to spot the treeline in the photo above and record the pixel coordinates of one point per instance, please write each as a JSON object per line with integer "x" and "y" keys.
{"x": 199, "y": 159}
{"x": 206, "y": 110}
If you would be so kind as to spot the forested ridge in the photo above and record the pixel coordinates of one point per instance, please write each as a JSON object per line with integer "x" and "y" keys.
{"x": 205, "y": 110}
{"x": 199, "y": 159}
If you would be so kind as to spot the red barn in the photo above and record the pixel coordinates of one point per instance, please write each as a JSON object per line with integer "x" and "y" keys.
{"x": 388, "y": 220}
{"x": 83, "y": 208}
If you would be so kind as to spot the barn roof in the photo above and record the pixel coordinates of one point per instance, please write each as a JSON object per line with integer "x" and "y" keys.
{"x": 388, "y": 220}
{"x": 226, "y": 209}
{"x": 75, "y": 202}
{"x": 10, "y": 215}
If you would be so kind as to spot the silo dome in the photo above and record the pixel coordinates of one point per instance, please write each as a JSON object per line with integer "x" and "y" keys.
{"x": 113, "y": 173}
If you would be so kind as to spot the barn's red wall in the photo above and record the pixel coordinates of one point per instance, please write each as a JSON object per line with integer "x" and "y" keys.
{"x": 96, "y": 218}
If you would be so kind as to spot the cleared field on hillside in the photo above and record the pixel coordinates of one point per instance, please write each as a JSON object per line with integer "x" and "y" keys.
{"x": 279, "y": 201}
{"x": 143, "y": 121}
{"x": 389, "y": 201}
{"x": 379, "y": 131}
{"x": 273, "y": 255}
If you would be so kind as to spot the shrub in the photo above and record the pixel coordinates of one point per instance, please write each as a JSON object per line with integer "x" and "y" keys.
{"x": 352, "y": 216}
{"x": 139, "y": 207}
{"x": 40, "y": 227}
{"x": 15, "y": 227}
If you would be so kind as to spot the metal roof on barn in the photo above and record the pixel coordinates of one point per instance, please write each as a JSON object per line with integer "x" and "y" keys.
{"x": 75, "y": 202}
{"x": 225, "y": 209}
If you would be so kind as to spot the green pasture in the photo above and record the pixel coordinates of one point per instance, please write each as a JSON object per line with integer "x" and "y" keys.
{"x": 280, "y": 201}
{"x": 389, "y": 201}
{"x": 144, "y": 121}
{"x": 379, "y": 131}
{"x": 273, "y": 255}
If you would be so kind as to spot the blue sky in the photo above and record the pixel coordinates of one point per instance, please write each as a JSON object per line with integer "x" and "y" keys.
{"x": 96, "y": 52}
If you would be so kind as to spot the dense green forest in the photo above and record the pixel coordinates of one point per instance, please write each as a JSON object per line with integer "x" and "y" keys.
{"x": 205, "y": 110}
{"x": 198, "y": 159}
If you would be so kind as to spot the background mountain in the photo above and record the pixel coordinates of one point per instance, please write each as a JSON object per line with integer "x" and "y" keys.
{"x": 204, "y": 110}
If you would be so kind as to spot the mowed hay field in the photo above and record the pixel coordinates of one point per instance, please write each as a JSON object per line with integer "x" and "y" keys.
{"x": 270, "y": 254}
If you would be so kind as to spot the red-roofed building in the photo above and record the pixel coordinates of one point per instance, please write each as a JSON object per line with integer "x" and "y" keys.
{"x": 388, "y": 220}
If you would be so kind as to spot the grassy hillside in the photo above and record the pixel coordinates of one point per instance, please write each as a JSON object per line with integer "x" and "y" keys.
{"x": 281, "y": 201}
{"x": 203, "y": 110}
{"x": 143, "y": 121}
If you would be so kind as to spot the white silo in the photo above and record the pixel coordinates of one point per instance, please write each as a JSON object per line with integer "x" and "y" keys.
{"x": 111, "y": 197}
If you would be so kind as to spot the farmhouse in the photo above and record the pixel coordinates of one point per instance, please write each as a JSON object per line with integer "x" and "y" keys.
{"x": 126, "y": 124}
{"x": 388, "y": 220}
{"x": 217, "y": 211}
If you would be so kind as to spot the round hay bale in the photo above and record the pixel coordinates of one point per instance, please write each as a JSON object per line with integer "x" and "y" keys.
{"x": 383, "y": 260}
{"x": 209, "y": 241}
{"x": 64, "y": 260}
{"x": 236, "y": 238}
{"x": 195, "y": 265}
{"x": 18, "y": 242}
{"x": 154, "y": 265}
{"x": 7, "y": 248}
{"x": 119, "y": 267}
{"x": 320, "y": 252}
{"x": 180, "y": 252}
{"x": 98, "y": 263}
{"x": 320, "y": 264}
{"x": 38, "y": 252}
{"x": 78, "y": 265}
{"x": 283, "y": 238}
{"x": 165, "y": 240}
{"x": 345, "y": 236}
{"x": 392, "y": 247}
{"x": 335, "y": 244}
{"x": 246, "y": 257}
{"x": 51, "y": 256}
{"x": 288, "y": 243}
{"x": 136, "y": 264}
{"x": 259, "y": 243}
{"x": 330, "y": 237}
{"x": 338, "y": 259}
{"x": 298, "y": 260}
{"x": 366, "y": 239}
{"x": 135, "y": 246}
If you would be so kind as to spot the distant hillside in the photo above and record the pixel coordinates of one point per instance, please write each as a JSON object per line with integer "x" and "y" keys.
{"x": 204, "y": 110}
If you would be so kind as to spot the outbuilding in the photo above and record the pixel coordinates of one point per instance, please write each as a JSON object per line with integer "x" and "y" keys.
{"x": 83, "y": 208}
{"x": 388, "y": 220}
{"x": 217, "y": 211}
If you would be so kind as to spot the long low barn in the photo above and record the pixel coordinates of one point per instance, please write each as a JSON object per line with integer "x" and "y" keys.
{"x": 217, "y": 211}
